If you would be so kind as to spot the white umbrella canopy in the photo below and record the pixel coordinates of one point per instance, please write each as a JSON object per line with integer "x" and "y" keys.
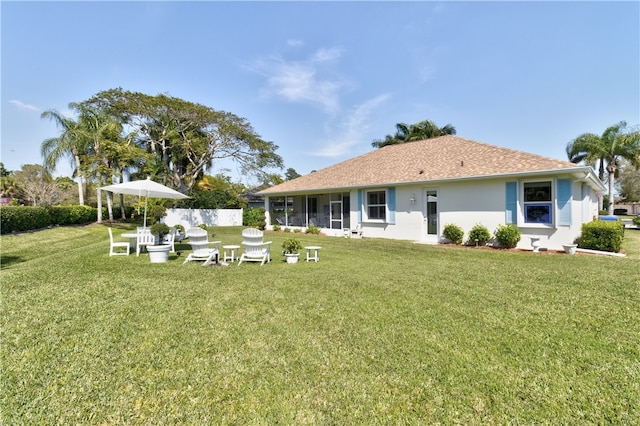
{"x": 146, "y": 188}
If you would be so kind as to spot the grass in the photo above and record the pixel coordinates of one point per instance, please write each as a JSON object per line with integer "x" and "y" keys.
{"x": 377, "y": 332}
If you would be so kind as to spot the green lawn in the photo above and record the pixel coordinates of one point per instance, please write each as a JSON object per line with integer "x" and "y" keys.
{"x": 377, "y": 332}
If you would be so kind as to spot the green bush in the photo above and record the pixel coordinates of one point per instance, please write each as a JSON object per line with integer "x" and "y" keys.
{"x": 161, "y": 230}
{"x": 602, "y": 235}
{"x": 254, "y": 217}
{"x": 480, "y": 233}
{"x": 508, "y": 236}
{"x": 313, "y": 229}
{"x": 454, "y": 233}
{"x": 73, "y": 215}
{"x": 23, "y": 218}
{"x": 291, "y": 246}
{"x": 26, "y": 218}
{"x": 636, "y": 221}
{"x": 276, "y": 227}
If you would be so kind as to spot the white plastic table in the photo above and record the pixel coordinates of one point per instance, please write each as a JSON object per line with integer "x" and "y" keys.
{"x": 316, "y": 253}
{"x": 133, "y": 238}
{"x": 233, "y": 249}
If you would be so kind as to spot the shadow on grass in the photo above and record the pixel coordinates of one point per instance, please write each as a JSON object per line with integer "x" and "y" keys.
{"x": 8, "y": 261}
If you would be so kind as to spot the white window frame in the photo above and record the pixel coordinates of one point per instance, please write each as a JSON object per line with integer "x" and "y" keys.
{"x": 366, "y": 206}
{"x": 522, "y": 212}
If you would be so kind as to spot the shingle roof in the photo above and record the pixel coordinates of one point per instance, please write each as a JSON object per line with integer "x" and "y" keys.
{"x": 445, "y": 157}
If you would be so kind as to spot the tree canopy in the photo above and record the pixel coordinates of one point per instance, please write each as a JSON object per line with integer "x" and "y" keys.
{"x": 425, "y": 129}
{"x": 616, "y": 143}
{"x": 117, "y": 133}
{"x": 183, "y": 138}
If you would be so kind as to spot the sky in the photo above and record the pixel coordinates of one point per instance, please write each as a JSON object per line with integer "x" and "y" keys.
{"x": 323, "y": 80}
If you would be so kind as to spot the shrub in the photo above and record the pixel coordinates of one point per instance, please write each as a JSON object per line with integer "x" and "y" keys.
{"x": 72, "y": 215}
{"x": 291, "y": 245}
{"x": 276, "y": 227}
{"x": 313, "y": 229}
{"x": 160, "y": 230}
{"x": 453, "y": 233}
{"x": 480, "y": 233}
{"x": 602, "y": 235}
{"x": 254, "y": 217}
{"x": 507, "y": 236}
{"x": 158, "y": 212}
{"x": 636, "y": 221}
{"x": 23, "y": 218}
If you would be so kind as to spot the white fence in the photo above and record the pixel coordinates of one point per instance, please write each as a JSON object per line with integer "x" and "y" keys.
{"x": 210, "y": 217}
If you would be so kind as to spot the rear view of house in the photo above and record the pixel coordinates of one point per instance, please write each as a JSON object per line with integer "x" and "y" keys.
{"x": 411, "y": 191}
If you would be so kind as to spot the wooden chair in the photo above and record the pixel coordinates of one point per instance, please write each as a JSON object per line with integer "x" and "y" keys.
{"x": 256, "y": 250}
{"x": 115, "y": 245}
{"x": 145, "y": 238}
{"x": 199, "y": 242}
{"x": 171, "y": 238}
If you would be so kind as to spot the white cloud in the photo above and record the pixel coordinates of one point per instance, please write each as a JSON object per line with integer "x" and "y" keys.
{"x": 324, "y": 55}
{"x": 22, "y": 105}
{"x": 301, "y": 81}
{"x": 352, "y": 129}
{"x": 295, "y": 43}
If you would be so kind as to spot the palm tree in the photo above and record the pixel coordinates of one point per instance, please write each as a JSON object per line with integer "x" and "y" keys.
{"x": 425, "y": 129}
{"x": 615, "y": 144}
{"x": 71, "y": 143}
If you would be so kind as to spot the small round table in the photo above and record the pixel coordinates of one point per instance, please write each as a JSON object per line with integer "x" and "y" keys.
{"x": 232, "y": 249}
{"x": 316, "y": 253}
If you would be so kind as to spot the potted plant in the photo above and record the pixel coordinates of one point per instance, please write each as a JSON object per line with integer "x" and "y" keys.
{"x": 291, "y": 248}
{"x": 159, "y": 253}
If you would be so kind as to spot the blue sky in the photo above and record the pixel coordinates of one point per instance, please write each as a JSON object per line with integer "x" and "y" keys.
{"x": 322, "y": 80}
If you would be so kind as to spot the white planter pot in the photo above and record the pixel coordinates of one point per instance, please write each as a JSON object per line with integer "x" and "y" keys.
{"x": 159, "y": 253}
{"x": 292, "y": 257}
{"x": 570, "y": 248}
{"x": 535, "y": 243}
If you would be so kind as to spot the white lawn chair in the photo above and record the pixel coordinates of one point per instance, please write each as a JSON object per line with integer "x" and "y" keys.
{"x": 170, "y": 238}
{"x": 256, "y": 250}
{"x": 200, "y": 244}
{"x": 115, "y": 245}
{"x": 144, "y": 239}
{"x": 357, "y": 232}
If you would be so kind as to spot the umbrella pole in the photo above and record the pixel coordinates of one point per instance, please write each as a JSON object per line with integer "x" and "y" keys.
{"x": 145, "y": 211}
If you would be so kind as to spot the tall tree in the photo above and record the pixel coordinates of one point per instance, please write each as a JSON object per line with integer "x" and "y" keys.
{"x": 186, "y": 138}
{"x": 617, "y": 142}
{"x": 425, "y": 129}
{"x": 36, "y": 186}
{"x": 291, "y": 174}
{"x": 71, "y": 143}
{"x": 630, "y": 183}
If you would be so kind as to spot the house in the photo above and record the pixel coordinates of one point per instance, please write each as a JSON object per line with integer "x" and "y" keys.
{"x": 253, "y": 200}
{"x": 411, "y": 191}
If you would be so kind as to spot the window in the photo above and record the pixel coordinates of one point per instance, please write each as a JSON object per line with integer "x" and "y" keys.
{"x": 538, "y": 206}
{"x": 376, "y": 205}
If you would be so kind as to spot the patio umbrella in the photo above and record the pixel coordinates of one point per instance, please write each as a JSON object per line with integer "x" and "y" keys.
{"x": 146, "y": 188}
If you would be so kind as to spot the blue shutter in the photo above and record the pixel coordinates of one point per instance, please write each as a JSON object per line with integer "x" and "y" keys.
{"x": 391, "y": 204}
{"x": 564, "y": 201}
{"x": 360, "y": 206}
{"x": 511, "y": 208}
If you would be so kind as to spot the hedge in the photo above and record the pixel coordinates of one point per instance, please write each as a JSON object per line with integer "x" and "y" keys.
{"x": 27, "y": 218}
{"x": 602, "y": 235}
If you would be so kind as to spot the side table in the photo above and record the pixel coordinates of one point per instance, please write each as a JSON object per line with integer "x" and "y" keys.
{"x": 231, "y": 252}
{"x": 316, "y": 253}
